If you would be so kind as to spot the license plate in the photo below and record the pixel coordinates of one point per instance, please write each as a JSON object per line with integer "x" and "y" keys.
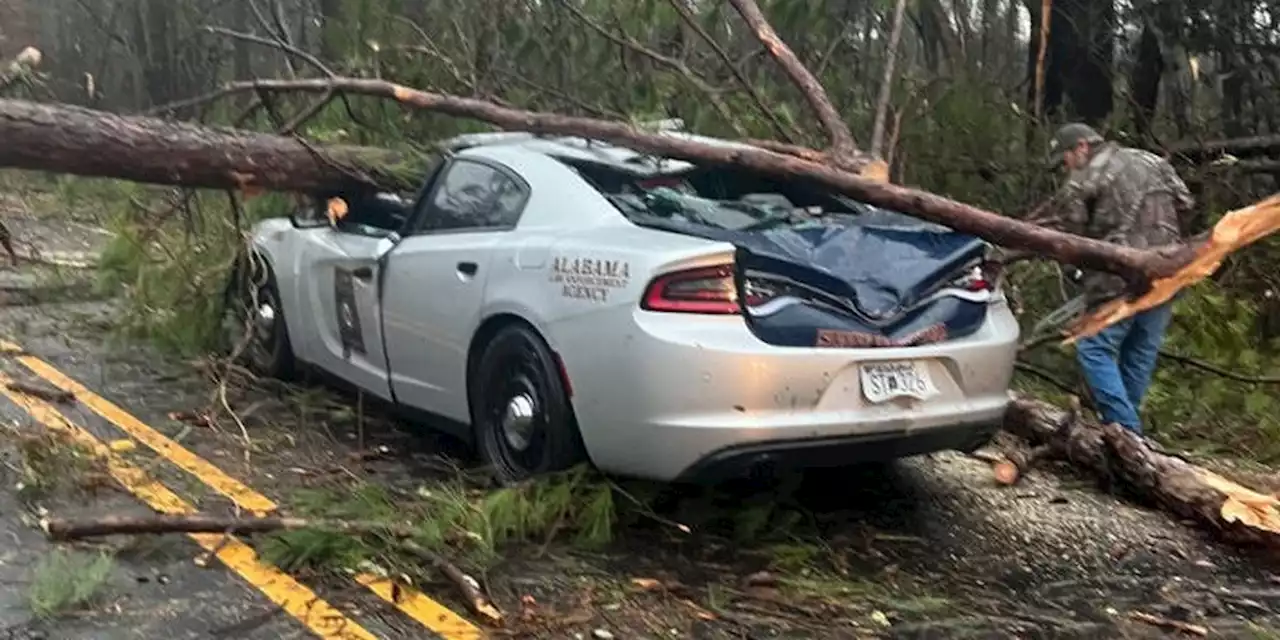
{"x": 884, "y": 381}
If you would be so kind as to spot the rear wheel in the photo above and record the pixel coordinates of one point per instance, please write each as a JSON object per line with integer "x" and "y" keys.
{"x": 253, "y": 325}
{"x": 520, "y": 409}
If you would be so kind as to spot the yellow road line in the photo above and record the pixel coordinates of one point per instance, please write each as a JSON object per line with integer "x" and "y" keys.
{"x": 427, "y": 612}
{"x": 219, "y": 481}
{"x": 299, "y": 601}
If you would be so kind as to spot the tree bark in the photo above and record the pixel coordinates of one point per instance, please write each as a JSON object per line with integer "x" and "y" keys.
{"x": 85, "y": 142}
{"x": 1238, "y": 514}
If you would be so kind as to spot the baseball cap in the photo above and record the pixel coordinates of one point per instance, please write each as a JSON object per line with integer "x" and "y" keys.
{"x": 1067, "y": 137}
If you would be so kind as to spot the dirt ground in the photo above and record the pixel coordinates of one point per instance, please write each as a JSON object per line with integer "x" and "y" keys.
{"x": 927, "y": 547}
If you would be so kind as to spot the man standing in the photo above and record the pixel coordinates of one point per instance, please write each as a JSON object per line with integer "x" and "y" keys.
{"x": 1129, "y": 197}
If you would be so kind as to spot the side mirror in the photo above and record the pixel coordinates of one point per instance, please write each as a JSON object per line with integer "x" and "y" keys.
{"x": 333, "y": 210}
{"x": 300, "y": 220}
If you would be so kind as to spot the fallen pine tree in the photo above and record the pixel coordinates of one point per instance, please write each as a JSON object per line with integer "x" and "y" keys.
{"x": 84, "y": 142}
{"x": 1236, "y": 513}
{"x": 91, "y": 143}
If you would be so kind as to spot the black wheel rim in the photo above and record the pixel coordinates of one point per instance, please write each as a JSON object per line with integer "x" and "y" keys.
{"x": 515, "y": 394}
{"x": 260, "y": 316}
{"x": 265, "y": 324}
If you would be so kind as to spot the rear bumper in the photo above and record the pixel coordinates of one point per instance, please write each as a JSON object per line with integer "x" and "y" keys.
{"x": 671, "y": 394}
{"x": 743, "y": 460}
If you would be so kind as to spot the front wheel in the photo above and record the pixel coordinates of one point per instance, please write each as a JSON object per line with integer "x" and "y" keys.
{"x": 520, "y": 409}
{"x": 253, "y": 323}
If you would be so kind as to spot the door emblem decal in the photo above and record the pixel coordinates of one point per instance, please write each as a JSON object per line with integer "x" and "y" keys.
{"x": 344, "y": 298}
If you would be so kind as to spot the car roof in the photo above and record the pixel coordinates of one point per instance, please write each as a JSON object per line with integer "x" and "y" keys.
{"x": 582, "y": 149}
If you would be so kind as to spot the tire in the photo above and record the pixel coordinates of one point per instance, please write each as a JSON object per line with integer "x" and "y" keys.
{"x": 253, "y": 291}
{"x": 517, "y": 382}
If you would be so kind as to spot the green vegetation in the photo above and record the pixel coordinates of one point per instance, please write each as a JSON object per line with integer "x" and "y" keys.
{"x": 52, "y": 464}
{"x": 474, "y": 524}
{"x": 67, "y": 580}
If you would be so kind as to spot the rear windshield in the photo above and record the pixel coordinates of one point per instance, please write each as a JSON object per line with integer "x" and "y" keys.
{"x": 727, "y": 198}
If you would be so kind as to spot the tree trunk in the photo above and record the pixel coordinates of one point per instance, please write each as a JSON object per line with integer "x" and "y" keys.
{"x": 85, "y": 142}
{"x": 93, "y": 143}
{"x": 1144, "y": 81}
{"x": 331, "y": 31}
{"x": 1129, "y": 461}
{"x": 1081, "y": 34}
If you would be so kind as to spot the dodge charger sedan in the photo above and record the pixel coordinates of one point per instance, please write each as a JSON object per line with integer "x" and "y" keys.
{"x": 556, "y": 301}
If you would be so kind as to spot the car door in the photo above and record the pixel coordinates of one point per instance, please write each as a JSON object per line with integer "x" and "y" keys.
{"x": 436, "y": 277}
{"x": 340, "y": 269}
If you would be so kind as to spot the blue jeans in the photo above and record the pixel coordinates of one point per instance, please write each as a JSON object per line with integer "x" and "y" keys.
{"x": 1119, "y": 362}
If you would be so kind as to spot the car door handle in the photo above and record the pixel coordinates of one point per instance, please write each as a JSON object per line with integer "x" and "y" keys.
{"x": 363, "y": 273}
{"x": 468, "y": 268}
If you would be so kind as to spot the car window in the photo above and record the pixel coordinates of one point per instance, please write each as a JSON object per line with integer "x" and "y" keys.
{"x": 472, "y": 195}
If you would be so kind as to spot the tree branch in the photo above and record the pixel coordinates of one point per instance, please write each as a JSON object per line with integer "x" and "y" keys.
{"x": 1242, "y": 147}
{"x": 274, "y": 43}
{"x": 626, "y": 41}
{"x": 1196, "y": 363}
{"x": 842, "y": 143}
{"x": 789, "y": 134}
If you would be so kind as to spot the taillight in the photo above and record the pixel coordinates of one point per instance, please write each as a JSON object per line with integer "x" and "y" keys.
{"x": 701, "y": 290}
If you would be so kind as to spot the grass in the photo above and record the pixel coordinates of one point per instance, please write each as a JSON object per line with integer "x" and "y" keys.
{"x": 52, "y": 463}
{"x": 68, "y": 580}
{"x": 474, "y": 525}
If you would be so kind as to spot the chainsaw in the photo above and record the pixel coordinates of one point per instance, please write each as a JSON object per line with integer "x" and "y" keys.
{"x": 1070, "y": 311}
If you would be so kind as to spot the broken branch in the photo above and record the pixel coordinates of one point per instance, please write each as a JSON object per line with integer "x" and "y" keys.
{"x": 71, "y": 529}
{"x": 1017, "y": 463}
{"x": 48, "y": 394}
{"x": 1240, "y": 147}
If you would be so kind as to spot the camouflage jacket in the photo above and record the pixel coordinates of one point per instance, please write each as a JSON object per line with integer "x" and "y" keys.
{"x": 1126, "y": 196}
